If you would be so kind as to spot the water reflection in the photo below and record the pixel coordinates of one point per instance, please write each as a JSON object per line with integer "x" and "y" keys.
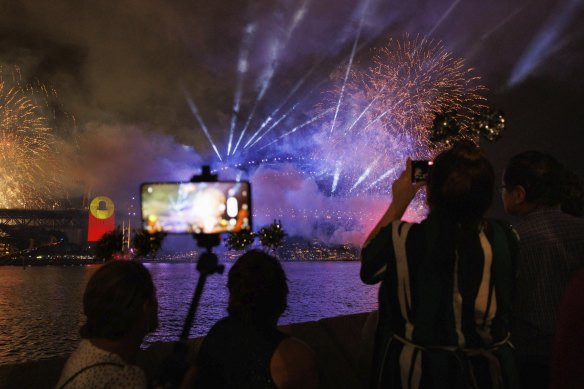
{"x": 41, "y": 308}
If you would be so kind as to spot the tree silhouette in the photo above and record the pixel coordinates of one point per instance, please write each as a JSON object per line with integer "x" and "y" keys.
{"x": 109, "y": 244}
{"x": 239, "y": 240}
{"x": 146, "y": 243}
{"x": 271, "y": 237}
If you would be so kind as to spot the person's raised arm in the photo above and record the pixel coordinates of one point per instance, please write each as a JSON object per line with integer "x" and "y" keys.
{"x": 377, "y": 247}
{"x": 403, "y": 191}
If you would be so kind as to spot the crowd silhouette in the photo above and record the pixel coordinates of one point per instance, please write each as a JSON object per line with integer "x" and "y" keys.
{"x": 465, "y": 301}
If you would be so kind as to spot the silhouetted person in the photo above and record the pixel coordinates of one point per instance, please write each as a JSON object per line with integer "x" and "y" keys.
{"x": 446, "y": 283}
{"x": 552, "y": 249}
{"x": 245, "y": 349}
{"x": 121, "y": 308}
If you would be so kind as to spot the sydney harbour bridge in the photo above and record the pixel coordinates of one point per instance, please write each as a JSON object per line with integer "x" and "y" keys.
{"x": 72, "y": 223}
{"x": 54, "y": 219}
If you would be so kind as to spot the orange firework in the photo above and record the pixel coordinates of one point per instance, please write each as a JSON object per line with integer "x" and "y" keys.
{"x": 28, "y": 171}
{"x": 413, "y": 79}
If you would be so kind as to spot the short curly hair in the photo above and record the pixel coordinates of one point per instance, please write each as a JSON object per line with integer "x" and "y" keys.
{"x": 114, "y": 299}
{"x": 258, "y": 289}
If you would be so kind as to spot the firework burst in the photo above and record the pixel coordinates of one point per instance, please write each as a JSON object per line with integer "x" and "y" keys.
{"x": 28, "y": 170}
{"x": 378, "y": 111}
{"x": 388, "y": 107}
{"x": 416, "y": 79}
{"x": 348, "y": 148}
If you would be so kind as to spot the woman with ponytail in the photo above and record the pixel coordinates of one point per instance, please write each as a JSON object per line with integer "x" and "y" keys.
{"x": 446, "y": 282}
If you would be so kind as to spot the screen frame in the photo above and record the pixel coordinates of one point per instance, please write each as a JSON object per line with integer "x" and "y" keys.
{"x": 143, "y": 217}
{"x": 424, "y": 165}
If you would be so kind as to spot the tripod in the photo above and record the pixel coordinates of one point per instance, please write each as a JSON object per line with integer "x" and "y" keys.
{"x": 175, "y": 365}
{"x": 208, "y": 263}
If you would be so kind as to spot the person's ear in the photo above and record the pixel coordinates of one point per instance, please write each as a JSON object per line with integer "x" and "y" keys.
{"x": 519, "y": 195}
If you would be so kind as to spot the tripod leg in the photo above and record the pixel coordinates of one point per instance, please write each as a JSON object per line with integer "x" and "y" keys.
{"x": 193, "y": 308}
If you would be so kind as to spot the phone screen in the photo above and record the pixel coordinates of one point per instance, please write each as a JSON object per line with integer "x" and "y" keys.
{"x": 421, "y": 170}
{"x": 196, "y": 207}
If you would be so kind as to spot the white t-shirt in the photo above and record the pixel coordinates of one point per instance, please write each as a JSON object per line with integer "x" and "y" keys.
{"x": 96, "y": 368}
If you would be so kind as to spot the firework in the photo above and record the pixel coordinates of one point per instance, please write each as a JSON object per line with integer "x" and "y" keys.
{"x": 418, "y": 78}
{"x": 355, "y": 141}
{"x": 347, "y": 150}
{"x": 388, "y": 108}
{"x": 28, "y": 172}
{"x": 358, "y": 143}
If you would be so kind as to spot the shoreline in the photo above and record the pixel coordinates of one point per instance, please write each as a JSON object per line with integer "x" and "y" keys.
{"x": 18, "y": 263}
{"x": 187, "y": 257}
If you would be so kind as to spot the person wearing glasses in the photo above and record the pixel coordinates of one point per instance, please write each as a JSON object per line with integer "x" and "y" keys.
{"x": 552, "y": 249}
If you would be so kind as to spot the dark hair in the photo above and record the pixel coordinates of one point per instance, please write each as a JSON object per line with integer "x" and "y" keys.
{"x": 461, "y": 183}
{"x": 540, "y": 174}
{"x": 258, "y": 291}
{"x": 114, "y": 298}
{"x": 573, "y": 194}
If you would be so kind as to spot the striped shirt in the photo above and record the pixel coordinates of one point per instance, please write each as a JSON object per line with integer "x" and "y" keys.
{"x": 445, "y": 295}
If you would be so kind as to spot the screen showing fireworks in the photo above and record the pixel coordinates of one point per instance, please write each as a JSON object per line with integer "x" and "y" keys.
{"x": 199, "y": 208}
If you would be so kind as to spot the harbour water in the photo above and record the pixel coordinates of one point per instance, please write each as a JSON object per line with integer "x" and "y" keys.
{"x": 41, "y": 310}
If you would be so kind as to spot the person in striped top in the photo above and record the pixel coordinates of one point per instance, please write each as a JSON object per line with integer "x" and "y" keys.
{"x": 446, "y": 283}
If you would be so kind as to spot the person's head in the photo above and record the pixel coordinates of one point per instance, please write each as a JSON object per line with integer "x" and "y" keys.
{"x": 531, "y": 180}
{"x": 461, "y": 182}
{"x": 119, "y": 300}
{"x": 258, "y": 291}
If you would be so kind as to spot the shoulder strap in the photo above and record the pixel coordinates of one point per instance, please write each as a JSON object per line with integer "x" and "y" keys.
{"x": 87, "y": 368}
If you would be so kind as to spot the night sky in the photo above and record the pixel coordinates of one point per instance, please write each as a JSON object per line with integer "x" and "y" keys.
{"x": 123, "y": 69}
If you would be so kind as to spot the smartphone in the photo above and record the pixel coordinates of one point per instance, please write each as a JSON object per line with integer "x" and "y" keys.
{"x": 420, "y": 170}
{"x": 196, "y": 207}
